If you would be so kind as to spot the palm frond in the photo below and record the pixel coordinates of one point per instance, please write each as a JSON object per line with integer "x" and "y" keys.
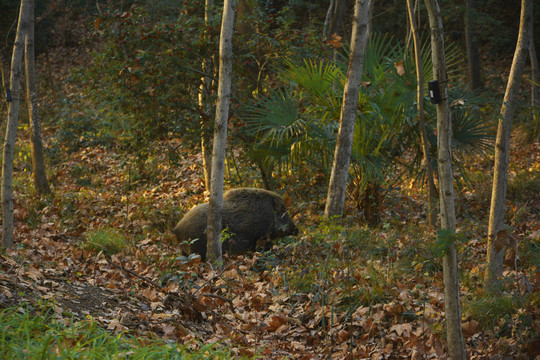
{"x": 274, "y": 118}
{"x": 316, "y": 77}
{"x": 470, "y": 133}
{"x": 380, "y": 52}
{"x": 453, "y": 59}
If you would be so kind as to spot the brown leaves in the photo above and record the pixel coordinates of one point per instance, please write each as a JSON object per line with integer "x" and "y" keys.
{"x": 335, "y": 41}
{"x": 403, "y": 330}
{"x": 501, "y": 240}
{"x": 34, "y": 273}
{"x": 277, "y": 322}
{"x": 400, "y": 69}
{"x": 383, "y": 313}
{"x": 470, "y": 328}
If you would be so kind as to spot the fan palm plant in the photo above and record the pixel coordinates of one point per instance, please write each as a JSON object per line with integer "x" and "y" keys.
{"x": 286, "y": 133}
{"x": 298, "y": 123}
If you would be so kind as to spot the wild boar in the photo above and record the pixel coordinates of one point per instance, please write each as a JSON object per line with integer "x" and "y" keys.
{"x": 249, "y": 214}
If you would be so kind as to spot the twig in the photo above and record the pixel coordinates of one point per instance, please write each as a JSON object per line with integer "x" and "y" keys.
{"x": 217, "y": 297}
{"x": 220, "y": 298}
{"x": 214, "y": 277}
{"x": 151, "y": 282}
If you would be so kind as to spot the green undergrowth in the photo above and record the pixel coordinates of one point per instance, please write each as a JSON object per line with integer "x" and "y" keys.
{"x": 504, "y": 314}
{"x": 493, "y": 309}
{"x": 110, "y": 241}
{"x": 347, "y": 266}
{"x": 26, "y": 335}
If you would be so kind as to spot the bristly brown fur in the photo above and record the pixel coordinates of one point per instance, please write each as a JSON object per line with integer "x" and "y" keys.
{"x": 249, "y": 214}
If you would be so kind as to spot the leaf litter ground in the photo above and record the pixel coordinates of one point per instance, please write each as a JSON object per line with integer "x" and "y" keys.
{"x": 312, "y": 297}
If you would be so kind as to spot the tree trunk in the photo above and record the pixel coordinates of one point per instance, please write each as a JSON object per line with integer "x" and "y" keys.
{"x": 204, "y": 94}
{"x": 337, "y": 16}
{"x": 3, "y": 89}
{"x": 495, "y": 250}
{"x": 370, "y": 19}
{"x": 266, "y": 174}
{"x": 454, "y": 336}
{"x": 328, "y": 17}
{"x": 206, "y": 153}
{"x": 473, "y": 54}
{"x": 342, "y": 157}
{"x": 38, "y": 161}
{"x": 214, "y": 252}
{"x": 244, "y": 19}
{"x": 535, "y": 73}
{"x": 432, "y": 215}
{"x": 370, "y": 203}
{"x": 11, "y": 130}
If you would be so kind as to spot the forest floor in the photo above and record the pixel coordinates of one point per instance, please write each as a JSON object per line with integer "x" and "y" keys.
{"x": 334, "y": 291}
{"x": 331, "y": 292}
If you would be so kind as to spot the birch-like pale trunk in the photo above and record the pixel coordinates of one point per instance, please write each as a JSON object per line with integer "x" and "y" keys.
{"x": 432, "y": 191}
{"x": 452, "y": 305}
{"x": 340, "y": 169}
{"x": 327, "y": 18}
{"x": 370, "y": 19}
{"x": 213, "y": 246}
{"x": 38, "y": 161}
{"x": 496, "y": 242}
{"x": 11, "y": 129}
{"x": 204, "y": 96}
{"x": 336, "y": 24}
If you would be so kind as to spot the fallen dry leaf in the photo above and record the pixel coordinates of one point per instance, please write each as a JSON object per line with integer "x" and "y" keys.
{"x": 275, "y": 322}
{"x": 402, "y": 329}
{"x": 399, "y": 67}
{"x": 469, "y": 328}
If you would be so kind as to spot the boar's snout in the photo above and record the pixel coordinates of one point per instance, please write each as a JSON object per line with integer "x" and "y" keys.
{"x": 286, "y": 225}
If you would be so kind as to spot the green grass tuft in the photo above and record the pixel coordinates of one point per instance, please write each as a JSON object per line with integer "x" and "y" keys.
{"x": 493, "y": 309}
{"x": 108, "y": 240}
{"x": 41, "y": 336}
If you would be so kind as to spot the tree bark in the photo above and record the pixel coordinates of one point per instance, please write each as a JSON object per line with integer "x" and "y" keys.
{"x": 38, "y": 161}
{"x": 432, "y": 215}
{"x": 328, "y": 17}
{"x": 370, "y": 19}
{"x": 473, "y": 54}
{"x": 244, "y": 19}
{"x": 3, "y": 89}
{"x": 11, "y": 130}
{"x": 214, "y": 251}
{"x": 206, "y": 153}
{"x": 495, "y": 250}
{"x": 342, "y": 157}
{"x": 454, "y": 336}
{"x": 336, "y": 25}
{"x": 535, "y": 72}
{"x": 204, "y": 93}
